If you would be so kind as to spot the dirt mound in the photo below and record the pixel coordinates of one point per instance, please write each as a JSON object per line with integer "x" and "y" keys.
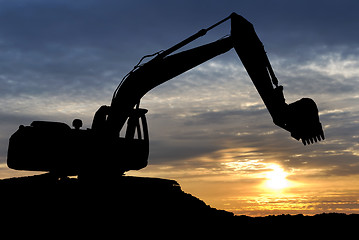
{"x": 134, "y": 196}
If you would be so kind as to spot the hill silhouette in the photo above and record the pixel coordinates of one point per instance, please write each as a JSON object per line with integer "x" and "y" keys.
{"x": 126, "y": 195}
{"x": 140, "y": 197}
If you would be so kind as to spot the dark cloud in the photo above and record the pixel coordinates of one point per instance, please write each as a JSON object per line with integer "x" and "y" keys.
{"x": 223, "y": 117}
{"x": 294, "y": 28}
{"x": 61, "y": 43}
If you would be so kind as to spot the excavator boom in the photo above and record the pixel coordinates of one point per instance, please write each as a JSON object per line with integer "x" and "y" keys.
{"x": 301, "y": 118}
{"x": 156, "y": 72}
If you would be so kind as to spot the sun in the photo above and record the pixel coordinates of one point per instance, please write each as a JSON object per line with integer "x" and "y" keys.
{"x": 276, "y": 179}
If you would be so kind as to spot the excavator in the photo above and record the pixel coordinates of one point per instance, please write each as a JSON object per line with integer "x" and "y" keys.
{"x": 56, "y": 148}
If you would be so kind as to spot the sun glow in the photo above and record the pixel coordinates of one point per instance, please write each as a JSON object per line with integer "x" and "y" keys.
{"x": 276, "y": 179}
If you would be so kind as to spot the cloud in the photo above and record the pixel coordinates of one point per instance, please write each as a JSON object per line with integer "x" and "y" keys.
{"x": 93, "y": 44}
{"x": 63, "y": 59}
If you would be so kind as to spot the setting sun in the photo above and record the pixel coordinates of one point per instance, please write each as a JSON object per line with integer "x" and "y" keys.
{"x": 276, "y": 179}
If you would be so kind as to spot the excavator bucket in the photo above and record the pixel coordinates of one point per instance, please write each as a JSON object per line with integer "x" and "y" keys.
{"x": 303, "y": 121}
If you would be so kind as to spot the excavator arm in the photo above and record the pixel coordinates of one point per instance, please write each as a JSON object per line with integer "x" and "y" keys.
{"x": 299, "y": 118}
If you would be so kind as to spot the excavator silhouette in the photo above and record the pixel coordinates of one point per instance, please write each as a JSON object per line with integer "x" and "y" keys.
{"x": 56, "y": 148}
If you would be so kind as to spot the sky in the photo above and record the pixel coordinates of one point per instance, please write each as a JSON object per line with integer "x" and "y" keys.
{"x": 209, "y": 129}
